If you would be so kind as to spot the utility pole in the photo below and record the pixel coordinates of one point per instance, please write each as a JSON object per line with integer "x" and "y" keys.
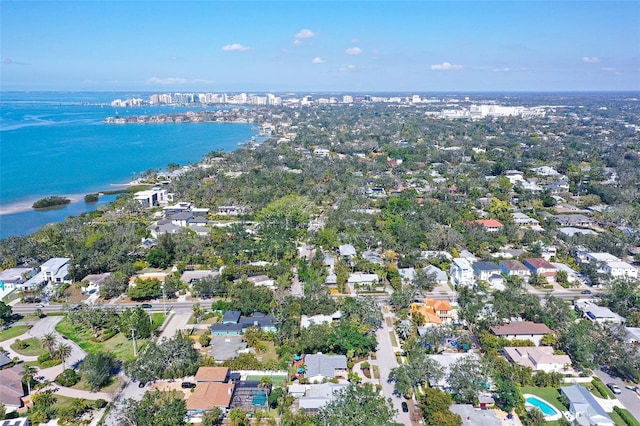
{"x": 133, "y": 336}
{"x": 164, "y": 300}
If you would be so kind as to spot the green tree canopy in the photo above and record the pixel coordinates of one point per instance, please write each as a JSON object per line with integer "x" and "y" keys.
{"x": 357, "y": 405}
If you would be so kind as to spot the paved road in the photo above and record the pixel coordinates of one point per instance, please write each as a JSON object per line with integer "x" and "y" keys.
{"x": 386, "y": 359}
{"x": 629, "y": 399}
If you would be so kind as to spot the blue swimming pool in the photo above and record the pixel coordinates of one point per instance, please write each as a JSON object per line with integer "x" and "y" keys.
{"x": 546, "y": 409}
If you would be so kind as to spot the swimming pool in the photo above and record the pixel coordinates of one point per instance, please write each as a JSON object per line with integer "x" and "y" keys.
{"x": 549, "y": 411}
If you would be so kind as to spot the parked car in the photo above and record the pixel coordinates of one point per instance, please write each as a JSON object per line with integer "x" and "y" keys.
{"x": 141, "y": 384}
{"x": 614, "y": 388}
{"x": 585, "y": 292}
{"x": 146, "y": 306}
{"x": 405, "y": 407}
{"x": 188, "y": 385}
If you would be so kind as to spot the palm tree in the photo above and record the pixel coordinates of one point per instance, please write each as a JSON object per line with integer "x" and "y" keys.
{"x": 28, "y": 372}
{"x": 49, "y": 342}
{"x": 238, "y": 417}
{"x": 79, "y": 406}
{"x": 63, "y": 352}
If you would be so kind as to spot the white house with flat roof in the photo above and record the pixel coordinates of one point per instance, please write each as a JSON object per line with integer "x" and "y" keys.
{"x": 620, "y": 270}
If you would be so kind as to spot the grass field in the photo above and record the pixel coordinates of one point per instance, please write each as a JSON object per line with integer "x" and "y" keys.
{"x": 12, "y": 332}
{"x": 33, "y": 348}
{"x": 118, "y": 345}
{"x": 112, "y": 386}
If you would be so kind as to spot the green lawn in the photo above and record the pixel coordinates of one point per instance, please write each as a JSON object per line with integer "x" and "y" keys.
{"x": 110, "y": 387}
{"x": 33, "y": 347}
{"x": 551, "y": 395}
{"x": 119, "y": 345}
{"x": 12, "y": 332}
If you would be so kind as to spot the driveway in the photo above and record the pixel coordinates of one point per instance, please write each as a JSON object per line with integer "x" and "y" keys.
{"x": 48, "y": 325}
{"x": 386, "y": 360}
{"x": 628, "y": 398}
{"x": 177, "y": 321}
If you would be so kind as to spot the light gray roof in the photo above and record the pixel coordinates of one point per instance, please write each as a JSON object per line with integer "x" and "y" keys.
{"x": 347, "y": 250}
{"x": 584, "y": 406}
{"x": 440, "y": 274}
{"x": 474, "y": 417}
{"x": 324, "y": 365}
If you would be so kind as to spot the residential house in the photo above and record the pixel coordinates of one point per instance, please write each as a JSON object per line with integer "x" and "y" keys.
{"x": 446, "y": 360}
{"x": 373, "y": 257}
{"x": 212, "y": 374}
{"x": 11, "y": 390}
{"x": 347, "y": 251}
{"x": 540, "y": 267}
{"x": 490, "y": 225}
{"x": 573, "y": 220}
{"x": 547, "y": 252}
{"x": 53, "y": 271}
{"x": 4, "y": 360}
{"x": 407, "y": 275}
{"x": 434, "y": 311}
{"x": 584, "y": 407}
{"x": 620, "y": 270}
{"x": 538, "y": 358}
{"x": 522, "y": 219}
{"x": 209, "y": 395}
{"x": 545, "y": 171}
{"x": 571, "y": 231}
{"x": 484, "y": 270}
{"x": 472, "y": 416}
{"x": 595, "y": 313}
{"x": 438, "y": 274}
{"x": 514, "y": 268}
{"x": 318, "y": 395}
{"x": 522, "y": 330}
{"x": 262, "y": 280}
{"x": 232, "y": 210}
{"x": 153, "y": 197}
{"x": 461, "y": 272}
{"x": 306, "y": 321}
{"x": 572, "y": 274}
{"x": 233, "y": 323}
{"x": 190, "y": 277}
{"x": 558, "y": 187}
{"x": 363, "y": 280}
{"x": 599, "y": 257}
{"x": 320, "y": 366}
{"x": 13, "y": 278}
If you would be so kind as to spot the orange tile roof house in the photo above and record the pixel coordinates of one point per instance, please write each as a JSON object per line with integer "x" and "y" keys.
{"x": 208, "y": 395}
{"x": 490, "y": 225}
{"x": 212, "y": 374}
{"x": 434, "y": 311}
{"x": 522, "y": 330}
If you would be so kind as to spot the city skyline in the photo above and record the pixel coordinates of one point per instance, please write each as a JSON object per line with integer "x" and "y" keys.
{"x": 348, "y": 46}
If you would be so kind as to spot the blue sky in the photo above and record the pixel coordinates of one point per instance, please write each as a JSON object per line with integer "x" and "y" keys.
{"x": 357, "y": 46}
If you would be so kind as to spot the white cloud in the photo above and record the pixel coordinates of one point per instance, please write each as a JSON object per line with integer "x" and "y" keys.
{"x": 348, "y": 68}
{"x": 297, "y": 42}
{"x": 508, "y": 69}
{"x": 305, "y": 33}
{"x": 611, "y": 70}
{"x": 353, "y": 51}
{"x": 590, "y": 59}
{"x": 236, "y": 47}
{"x": 167, "y": 80}
{"x": 318, "y": 60}
{"x": 446, "y": 66}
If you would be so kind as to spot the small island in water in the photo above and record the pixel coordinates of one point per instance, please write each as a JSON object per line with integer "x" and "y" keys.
{"x": 52, "y": 201}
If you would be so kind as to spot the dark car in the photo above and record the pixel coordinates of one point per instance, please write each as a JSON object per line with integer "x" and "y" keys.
{"x": 585, "y": 292}
{"x": 405, "y": 407}
{"x": 141, "y": 384}
{"x": 146, "y": 306}
{"x": 188, "y": 385}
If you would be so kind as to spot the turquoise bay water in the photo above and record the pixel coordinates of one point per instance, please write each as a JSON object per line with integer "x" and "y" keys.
{"x": 56, "y": 144}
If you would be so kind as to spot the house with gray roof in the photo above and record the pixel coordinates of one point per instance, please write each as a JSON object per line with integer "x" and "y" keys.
{"x": 584, "y": 407}
{"x": 321, "y": 366}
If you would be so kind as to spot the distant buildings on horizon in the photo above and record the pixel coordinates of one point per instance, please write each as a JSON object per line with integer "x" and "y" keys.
{"x": 472, "y": 111}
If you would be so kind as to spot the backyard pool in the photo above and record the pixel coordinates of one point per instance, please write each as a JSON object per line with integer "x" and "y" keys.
{"x": 549, "y": 411}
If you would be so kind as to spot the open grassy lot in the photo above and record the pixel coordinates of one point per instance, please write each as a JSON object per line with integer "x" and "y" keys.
{"x": 33, "y": 347}
{"x": 12, "y": 332}
{"x": 118, "y": 345}
{"x": 113, "y": 384}
{"x": 551, "y": 395}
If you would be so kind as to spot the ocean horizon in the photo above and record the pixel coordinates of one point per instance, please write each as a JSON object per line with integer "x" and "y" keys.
{"x": 57, "y": 144}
